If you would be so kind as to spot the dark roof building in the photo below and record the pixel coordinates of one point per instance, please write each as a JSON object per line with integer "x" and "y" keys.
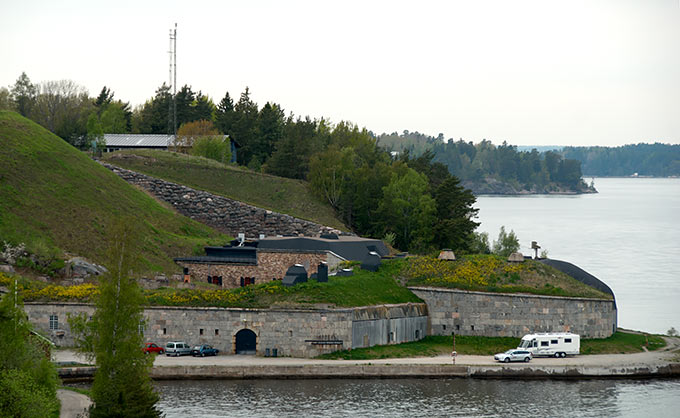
{"x": 347, "y": 247}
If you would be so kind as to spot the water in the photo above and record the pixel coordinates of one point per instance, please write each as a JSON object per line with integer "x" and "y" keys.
{"x": 419, "y": 398}
{"x": 627, "y": 235}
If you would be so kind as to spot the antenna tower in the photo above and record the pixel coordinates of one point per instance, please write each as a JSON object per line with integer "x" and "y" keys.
{"x": 172, "y": 75}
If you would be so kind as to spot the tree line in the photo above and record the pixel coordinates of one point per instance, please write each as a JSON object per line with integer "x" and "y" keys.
{"x": 411, "y": 201}
{"x": 659, "y": 160}
{"x": 474, "y": 163}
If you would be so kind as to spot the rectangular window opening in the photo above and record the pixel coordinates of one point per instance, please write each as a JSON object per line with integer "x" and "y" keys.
{"x": 472, "y": 327}
{"x": 444, "y": 327}
{"x": 54, "y": 322}
{"x": 553, "y": 341}
{"x": 567, "y": 340}
{"x": 217, "y": 331}
{"x": 457, "y": 327}
{"x": 544, "y": 344}
{"x": 200, "y": 331}
{"x": 165, "y": 331}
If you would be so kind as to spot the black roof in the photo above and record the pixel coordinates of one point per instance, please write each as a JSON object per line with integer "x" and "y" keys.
{"x": 347, "y": 247}
{"x": 580, "y": 275}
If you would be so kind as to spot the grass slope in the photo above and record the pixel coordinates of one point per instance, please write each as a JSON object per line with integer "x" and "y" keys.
{"x": 54, "y": 198}
{"x": 279, "y": 194}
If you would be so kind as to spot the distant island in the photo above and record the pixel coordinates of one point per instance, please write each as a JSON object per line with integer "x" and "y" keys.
{"x": 487, "y": 169}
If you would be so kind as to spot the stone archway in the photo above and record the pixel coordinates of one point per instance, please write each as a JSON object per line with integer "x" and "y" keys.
{"x": 246, "y": 342}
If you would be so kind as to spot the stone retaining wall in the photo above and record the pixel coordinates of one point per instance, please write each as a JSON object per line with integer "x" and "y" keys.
{"x": 296, "y": 333}
{"x": 227, "y": 215}
{"x": 514, "y": 315}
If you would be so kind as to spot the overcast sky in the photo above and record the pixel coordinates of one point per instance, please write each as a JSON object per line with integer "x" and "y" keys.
{"x": 530, "y": 72}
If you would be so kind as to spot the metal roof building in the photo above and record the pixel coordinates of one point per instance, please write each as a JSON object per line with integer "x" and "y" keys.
{"x": 115, "y": 142}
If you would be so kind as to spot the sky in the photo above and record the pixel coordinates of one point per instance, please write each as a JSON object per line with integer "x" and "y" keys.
{"x": 592, "y": 72}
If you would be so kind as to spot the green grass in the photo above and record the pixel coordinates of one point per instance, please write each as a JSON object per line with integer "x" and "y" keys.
{"x": 278, "y": 194}
{"x": 82, "y": 391}
{"x": 619, "y": 343}
{"x": 362, "y": 289}
{"x": 57, "y": 200}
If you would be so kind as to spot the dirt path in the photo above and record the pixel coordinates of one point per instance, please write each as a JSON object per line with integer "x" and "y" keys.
{"x": 73, "y": 404}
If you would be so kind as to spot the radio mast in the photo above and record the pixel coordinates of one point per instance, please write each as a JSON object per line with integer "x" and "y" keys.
{"x": 172, "y": 75}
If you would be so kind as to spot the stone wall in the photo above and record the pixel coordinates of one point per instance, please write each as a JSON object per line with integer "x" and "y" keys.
{"x": 229, "y": 216}
{"x": 271, "y": 264}
{"x": 514, "y": 315}
{"x": 297, "y": 333}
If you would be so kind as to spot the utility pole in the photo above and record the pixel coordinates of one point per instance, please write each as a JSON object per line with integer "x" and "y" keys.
{"x": 172, "y": 80}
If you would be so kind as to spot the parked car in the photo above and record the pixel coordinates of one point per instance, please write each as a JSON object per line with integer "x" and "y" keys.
{"x": 204, "y": 350}
{"x": 513, "y": 355}
{"x": 153, "y": 348}
{"x": 177, "y": 348}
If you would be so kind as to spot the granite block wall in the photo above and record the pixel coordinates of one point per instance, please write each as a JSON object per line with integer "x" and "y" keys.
{"x": 514, "y": 315}
{"x": 297, "y": 333}
{"x": 229, "y": 216}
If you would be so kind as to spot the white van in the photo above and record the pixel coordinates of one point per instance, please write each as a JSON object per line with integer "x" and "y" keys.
{"x": 177, "y": 348}
{"x": 553, "y": 344}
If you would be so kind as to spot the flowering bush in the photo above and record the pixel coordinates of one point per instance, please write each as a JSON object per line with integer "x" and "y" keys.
{"x": 82, "y": 292}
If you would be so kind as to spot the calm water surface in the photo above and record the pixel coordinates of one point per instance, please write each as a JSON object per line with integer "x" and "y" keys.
{"x": 420, "y": 398}
{"x": 627, "y": 235}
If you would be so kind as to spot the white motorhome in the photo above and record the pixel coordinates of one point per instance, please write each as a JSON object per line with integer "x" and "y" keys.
{"x": 554, "y": 344}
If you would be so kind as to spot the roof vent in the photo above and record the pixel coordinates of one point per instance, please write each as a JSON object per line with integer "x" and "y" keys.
{"x": 447, "y": 254}
{"x": 516, "y": 258}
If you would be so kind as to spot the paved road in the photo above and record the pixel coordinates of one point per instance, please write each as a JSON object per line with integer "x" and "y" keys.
{"x": 663, "y": 356}
{"x": 73, "y": 404}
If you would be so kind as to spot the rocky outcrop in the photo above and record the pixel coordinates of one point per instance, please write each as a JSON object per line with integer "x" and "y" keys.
{"x": 226, "y": 215}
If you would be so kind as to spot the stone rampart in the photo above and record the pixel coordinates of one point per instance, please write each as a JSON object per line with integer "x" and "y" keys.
{"x": 227, "y": 215}
{"x": 514, "y": 315}
{"x": 296, "y": 333}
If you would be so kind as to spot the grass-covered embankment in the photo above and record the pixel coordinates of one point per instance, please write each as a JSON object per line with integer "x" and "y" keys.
{"x": 362, "y": 289}
{"x": 619, "y": 343}
{"x": 491, "y": 273}
{"x": 283, "y": 195}
{"x": 56, "y": 200}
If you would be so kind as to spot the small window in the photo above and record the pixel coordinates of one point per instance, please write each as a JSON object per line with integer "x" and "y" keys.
{"x": 165, "y": 331}
{"x": 200, "y": 331}
{"x": 217, "y": 331}
{"x": 472, "y": 327}
{"x": 290, "y": 332}
{"x": 444, "y": 327}
{"x": 457, "y": 327}
{"x": 544, "y": 344}
{"x": 567, "y": 340}
{"x": 553, "y": 341}
{"x": 54, "y": 322}
{"x": 417, "y": 334}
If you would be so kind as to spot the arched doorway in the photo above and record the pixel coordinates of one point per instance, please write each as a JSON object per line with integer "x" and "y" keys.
{"x": 246, "y": 342}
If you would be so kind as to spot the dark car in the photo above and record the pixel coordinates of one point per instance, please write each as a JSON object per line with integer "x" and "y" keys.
{"x": 204, "y": 350}
{"x": 152, "y": 348}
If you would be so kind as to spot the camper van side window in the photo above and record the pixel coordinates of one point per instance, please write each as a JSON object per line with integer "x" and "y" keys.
{"x": 544, "y": 343}
{"x": 553, "y": 341}
{"x": 567, "y": 340}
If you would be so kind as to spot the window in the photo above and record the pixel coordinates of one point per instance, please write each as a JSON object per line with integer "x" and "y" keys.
{"x": 200, "y": 331}
{"x": 472, "y": 327}
{"x": 553, "y": 341}
{"x": 444, "y": 327}
{"x": 544, "y": 343}
{"x": 217, "y": 331}
{"x": 417, "y": 334}
{"x": 54, "y": 322}
{"x": 165, "y": 331}
{"x": 290, "y": 332}
{"x": 457, "y": 327}
{"x": 567, "y": 340}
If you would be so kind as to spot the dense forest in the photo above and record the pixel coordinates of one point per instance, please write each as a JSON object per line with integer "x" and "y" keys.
{"x": 659, "y": 160}
{"x": 486, "y": 168}
{"x": 412, "y": 203}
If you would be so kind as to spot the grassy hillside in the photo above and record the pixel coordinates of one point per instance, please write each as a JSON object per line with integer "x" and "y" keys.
{"x": 55, "y": 199}
{"x": 279, "y": 194}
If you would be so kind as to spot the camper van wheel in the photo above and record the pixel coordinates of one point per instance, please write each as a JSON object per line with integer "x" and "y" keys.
{"x": 563, "y": 355}
{"x": 557, "y": 355}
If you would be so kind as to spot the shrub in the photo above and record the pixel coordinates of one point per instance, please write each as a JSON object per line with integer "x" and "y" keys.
{"x": 214, "y": 147}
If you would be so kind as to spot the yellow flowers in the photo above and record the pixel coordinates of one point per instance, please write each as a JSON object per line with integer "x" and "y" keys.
{"x": 472, "y": 271}
{"x": 81, "y": 292}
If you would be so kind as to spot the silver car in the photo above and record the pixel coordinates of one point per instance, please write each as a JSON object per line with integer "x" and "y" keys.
{"x": 177, "y": 348}
{"x": 513, "y": 355}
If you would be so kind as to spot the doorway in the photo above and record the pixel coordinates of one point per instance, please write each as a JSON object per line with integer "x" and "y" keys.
{"x": 246, "y": 342}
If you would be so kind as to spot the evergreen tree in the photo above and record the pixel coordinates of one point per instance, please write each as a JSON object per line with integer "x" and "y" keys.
{"x": 243, "y": 126}
{"x": 455, "y": 215}
{"x": 24, "y": 94}
{"x": 268, "y": 132}
{"x": 224, "y": 115}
